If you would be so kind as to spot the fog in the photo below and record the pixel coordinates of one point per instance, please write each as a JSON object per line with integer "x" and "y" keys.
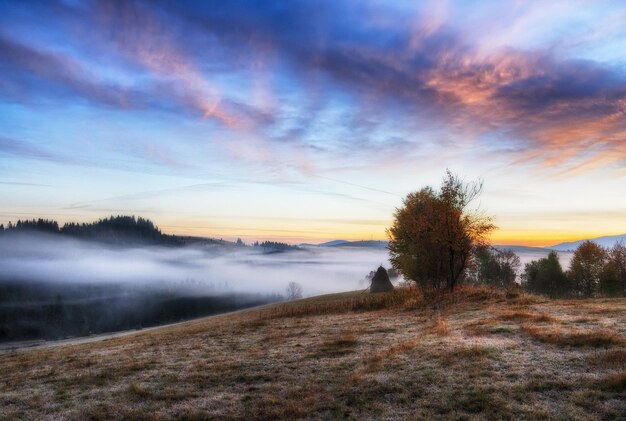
{"x": 186, "y": 270}
{"x": 54, "y": 286}
{"x": 195, "y": 270}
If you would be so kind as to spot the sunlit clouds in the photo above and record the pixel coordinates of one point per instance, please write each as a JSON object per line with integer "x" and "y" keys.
{"x": 313, "y": 113}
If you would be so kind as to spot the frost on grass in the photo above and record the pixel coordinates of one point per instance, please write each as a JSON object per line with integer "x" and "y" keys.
{"x": 475, "y": 354}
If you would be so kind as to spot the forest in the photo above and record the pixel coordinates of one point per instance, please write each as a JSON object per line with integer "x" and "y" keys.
{"x": 115, "y": 229}
{"x": 67, "y": 301}
{"x": 44, "y": 310}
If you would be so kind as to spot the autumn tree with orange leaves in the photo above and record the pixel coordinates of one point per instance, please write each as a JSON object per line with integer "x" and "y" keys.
{"x": 434, "y": 233}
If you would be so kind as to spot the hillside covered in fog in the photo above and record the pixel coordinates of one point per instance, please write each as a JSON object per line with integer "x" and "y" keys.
{"x": 123, "y": 273}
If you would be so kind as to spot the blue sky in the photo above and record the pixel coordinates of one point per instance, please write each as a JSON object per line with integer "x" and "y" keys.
{"x": 307, "y": 121}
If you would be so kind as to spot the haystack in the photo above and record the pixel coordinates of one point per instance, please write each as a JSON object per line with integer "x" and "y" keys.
{"x": 381, "y": 282}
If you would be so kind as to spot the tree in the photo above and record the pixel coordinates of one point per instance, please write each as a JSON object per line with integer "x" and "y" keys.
{"x": 509, "y": 264}
{"x": 294, "y": 291}
{"x": 613, "y": 275}
{"x": 546, "y": 276}
{"x": 585, "y": 269}
{"x": 434, "y": 233}
{"x": 494, "y": 267}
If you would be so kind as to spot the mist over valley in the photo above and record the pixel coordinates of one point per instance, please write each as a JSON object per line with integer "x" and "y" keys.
{"x": 61, "y": 282}
{"x": 56, "y": 285}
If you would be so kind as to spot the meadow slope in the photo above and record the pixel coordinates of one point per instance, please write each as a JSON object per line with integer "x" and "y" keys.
{"x": 474, "y": 354}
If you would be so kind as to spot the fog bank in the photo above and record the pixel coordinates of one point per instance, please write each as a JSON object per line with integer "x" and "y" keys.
{"x": 186, "y": 270}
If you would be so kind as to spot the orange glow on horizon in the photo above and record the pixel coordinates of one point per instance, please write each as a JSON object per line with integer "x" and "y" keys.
{"x": 539, "y": 238}
{"x": 531, "y": 238}
{"x": 290, "y": 236}
{"x": 295, "y": 231}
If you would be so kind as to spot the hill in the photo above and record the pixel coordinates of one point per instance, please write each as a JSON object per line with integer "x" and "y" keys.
{"x": 331, "y": 243}
{"x": 523, "y": 249}
{"x": 368, "y": 244}
{"x": 343, "y": 243}
{"x": 607, "y": 241}
{"x": 121, "y": 230}
{"x": 125, "y": 230}
{"x": 474, "y": 354}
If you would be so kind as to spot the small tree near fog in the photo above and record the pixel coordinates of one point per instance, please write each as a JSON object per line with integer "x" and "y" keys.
{"x": 586, "y": 268}
{"x": 546, "y": 276}
{"x": 434, "y": 233}
{"x": 509, "y": 265}
{"x": 294, "y": 291}
{"x": 494, "y": 267}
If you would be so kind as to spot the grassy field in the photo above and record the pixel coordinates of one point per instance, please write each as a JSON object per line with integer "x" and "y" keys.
{"x": 474, "y": 354}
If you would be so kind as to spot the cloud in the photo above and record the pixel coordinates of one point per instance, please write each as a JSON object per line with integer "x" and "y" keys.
{"x": 332, "y": 76}
{"x": 26, "y": 69}
{"x": 150, "y": 194}
{"x": 556, "y": 109}
{"x": 21, "y": 148}
{"x": 30, "y": 73}
{"x": 24, "y": 184}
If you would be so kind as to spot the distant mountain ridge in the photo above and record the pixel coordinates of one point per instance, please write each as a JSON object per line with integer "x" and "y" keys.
{"x": 344, "y": 243}
{"x": 606, "y": 241}
{"x": 129, "y": 230}
{"x": 521, "y": 249}
{"x": 365, "y": 244}
{"x": 333, "y": 243}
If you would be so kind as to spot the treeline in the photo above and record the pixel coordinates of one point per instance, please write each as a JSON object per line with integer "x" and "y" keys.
{"x": 123, "y": 229}
{"x": 40, "y": 224}
{"x": 274, "y": 246}
{"x": 594, "y": 271}
{"x": 490, "y": 266}
{"x": 115, "y": 229}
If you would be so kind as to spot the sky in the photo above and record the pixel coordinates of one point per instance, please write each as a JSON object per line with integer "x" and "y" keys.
{"x": 311, "y": 120}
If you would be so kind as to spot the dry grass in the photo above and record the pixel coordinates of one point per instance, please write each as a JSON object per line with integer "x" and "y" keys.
{"x": 400, "y": 298}
{"x": 480, "y": 327}
{"x": 609, "y": 358}
{"x": 376, "y": 361}
{"x": 440, "y": 326}
{"x": 136, "y": 390}
{"x": 592, "y": 338}
{"x": 474, "y": 354}
{"x": 614, "y": 382}
{"x": 527, "y": 316}
{"x": 464, "y": 354}
{"x": 337, "y": 346}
